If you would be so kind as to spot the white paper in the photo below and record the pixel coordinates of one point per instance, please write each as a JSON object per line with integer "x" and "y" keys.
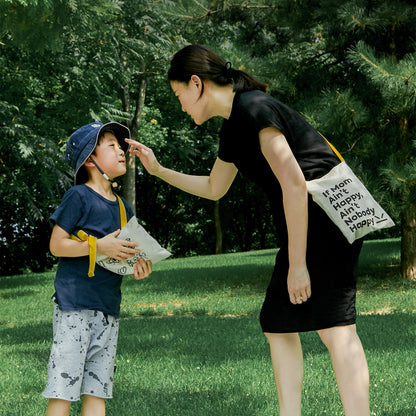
{"x": 149, "y": 248}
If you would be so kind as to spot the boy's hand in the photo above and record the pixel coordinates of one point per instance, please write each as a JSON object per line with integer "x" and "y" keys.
{"x": 142, "y": 268}
{"x": 116, "y": 249}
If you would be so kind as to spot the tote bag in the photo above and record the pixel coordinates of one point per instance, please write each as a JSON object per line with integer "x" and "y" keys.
{"x": 347, "y": 201}
{"x": 150, "y": 249}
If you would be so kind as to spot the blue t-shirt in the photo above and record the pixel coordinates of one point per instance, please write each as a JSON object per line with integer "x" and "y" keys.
{"x": 84, "y": 209}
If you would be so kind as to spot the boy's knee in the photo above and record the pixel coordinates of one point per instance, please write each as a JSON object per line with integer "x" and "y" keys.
{"x": 58, "y": 407}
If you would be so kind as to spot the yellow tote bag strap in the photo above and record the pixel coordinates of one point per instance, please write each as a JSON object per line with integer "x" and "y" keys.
{"x": 92, "y": 241}
{"x": 123, "y": 216}
{"x": 333, "y": 148}
{"x": 92, "y": 244}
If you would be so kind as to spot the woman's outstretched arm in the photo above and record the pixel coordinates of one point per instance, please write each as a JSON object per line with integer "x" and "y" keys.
{"x": 212, "y": 187}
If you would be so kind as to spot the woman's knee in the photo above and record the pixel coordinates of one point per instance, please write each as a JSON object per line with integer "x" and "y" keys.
{"x": 338, "y": 335}
{"x": 282, "y": 337}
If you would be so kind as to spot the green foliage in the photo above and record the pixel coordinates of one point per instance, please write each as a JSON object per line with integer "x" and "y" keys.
{"x": 29, "y": 181}
{"x": 40, "y": 25}
{"x": 395, "y": 79}
{"x": 348, "y": 67}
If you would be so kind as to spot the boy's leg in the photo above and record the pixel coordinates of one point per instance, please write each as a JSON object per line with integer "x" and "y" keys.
{"x": 58, "y": 407}
{"x": 93, "y": 406}
{"x": 99, "y": 363}
{"x": 66, "y": 361}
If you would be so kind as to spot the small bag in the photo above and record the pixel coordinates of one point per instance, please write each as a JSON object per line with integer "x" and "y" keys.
{"x": 150, "y": 249}
{"x": 348, "y": 202}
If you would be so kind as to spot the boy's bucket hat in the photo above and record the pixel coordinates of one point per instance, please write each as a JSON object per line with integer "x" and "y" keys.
{"x": 82, "y": 143}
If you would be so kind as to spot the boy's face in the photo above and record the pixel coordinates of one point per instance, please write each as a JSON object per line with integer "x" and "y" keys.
{"x": 110, "y": 156}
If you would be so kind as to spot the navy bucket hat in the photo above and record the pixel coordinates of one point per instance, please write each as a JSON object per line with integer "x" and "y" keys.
{"x": 82, "y": 143}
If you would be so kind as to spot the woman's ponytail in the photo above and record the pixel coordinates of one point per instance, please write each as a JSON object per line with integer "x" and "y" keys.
{"x": 245, "y": 82}
{"x": 201, "y": 61}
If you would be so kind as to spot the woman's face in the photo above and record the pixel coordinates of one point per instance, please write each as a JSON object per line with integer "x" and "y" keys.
{"x": 191, "y": 99}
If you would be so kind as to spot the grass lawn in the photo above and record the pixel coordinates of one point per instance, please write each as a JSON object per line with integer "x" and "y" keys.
{"x": 190, "y": 343}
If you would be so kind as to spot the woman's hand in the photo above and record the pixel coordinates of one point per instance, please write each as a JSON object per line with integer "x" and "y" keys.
{"x": 299, "y": 285}
{"x": 115, "y": 248}
{"x": 145, "y": 155}
{"x": 142, "y": 268}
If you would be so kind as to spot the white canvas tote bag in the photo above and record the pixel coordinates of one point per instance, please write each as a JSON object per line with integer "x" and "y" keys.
{"x": 348, "y": 202}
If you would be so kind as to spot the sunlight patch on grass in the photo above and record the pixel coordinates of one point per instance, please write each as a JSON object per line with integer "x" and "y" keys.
{"x": 387, "y": 310}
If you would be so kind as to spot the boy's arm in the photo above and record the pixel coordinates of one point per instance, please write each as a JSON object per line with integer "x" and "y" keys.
{"x": 61, "y": 245}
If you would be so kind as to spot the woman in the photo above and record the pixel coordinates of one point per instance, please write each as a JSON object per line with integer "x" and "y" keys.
{"x": 313, "y": 283}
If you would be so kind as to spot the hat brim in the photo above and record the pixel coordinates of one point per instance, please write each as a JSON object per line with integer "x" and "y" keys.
{"x": 121, "y": 132}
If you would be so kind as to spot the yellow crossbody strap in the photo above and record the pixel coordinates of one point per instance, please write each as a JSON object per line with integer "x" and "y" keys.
{"x": 92, "y": 241}
{"x": 92, "y": 244}
{"x": 334, "y": 150}
{"x": 123, "y": 216}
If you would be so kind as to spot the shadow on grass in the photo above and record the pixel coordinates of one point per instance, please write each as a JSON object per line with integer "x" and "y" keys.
{"x": 24, "y": 334}
{"x": 379, "y": 255}
{"x": 177, "y": 345}
{"x": 26, "y": 280}
{"x": 168, "y": 402}
{"x": 17, "y": 294}
{"x": 181, "y": 280}
{"x": 189, "y": 281}
{"x": 215, "y": 338}
{"x": 392, "y": 332}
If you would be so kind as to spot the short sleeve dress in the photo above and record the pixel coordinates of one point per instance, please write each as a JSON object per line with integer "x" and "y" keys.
{"x": 331, "y": 260}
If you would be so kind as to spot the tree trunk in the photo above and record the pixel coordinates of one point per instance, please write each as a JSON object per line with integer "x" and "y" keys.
{"x": 218, "y": 231}
{"x": 408, "y": 243}
{"x": 408, "y": 217}
{"x": 129, "y": 182}
{"x": 129, "y": 188}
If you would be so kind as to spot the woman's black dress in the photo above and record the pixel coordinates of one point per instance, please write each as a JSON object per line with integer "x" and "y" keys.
{"x": 331, "y": 260}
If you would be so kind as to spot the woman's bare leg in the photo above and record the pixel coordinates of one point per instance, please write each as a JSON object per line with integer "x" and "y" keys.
{"x": 350, "y": 367}
{"x": 287, "y": 361}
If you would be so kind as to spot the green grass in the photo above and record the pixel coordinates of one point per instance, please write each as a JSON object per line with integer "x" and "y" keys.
{"x": 190, "y": 343}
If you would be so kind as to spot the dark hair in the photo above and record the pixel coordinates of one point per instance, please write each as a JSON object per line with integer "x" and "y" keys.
{"x": 207, "y": 65}
{"x": 103, "y": 131}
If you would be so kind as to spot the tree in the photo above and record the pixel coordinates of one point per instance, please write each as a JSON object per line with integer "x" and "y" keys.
{"x": 346, "y": 66}
{"x": 360, "y": 99}
{"x": 44, "y": 92}
{"x": 135, "y": 47}
{"x": 395, "y": 80}
{"x": 29, "y": 181}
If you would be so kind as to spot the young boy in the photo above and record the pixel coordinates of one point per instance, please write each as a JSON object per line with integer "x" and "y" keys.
{"x": 87, "y": 297}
